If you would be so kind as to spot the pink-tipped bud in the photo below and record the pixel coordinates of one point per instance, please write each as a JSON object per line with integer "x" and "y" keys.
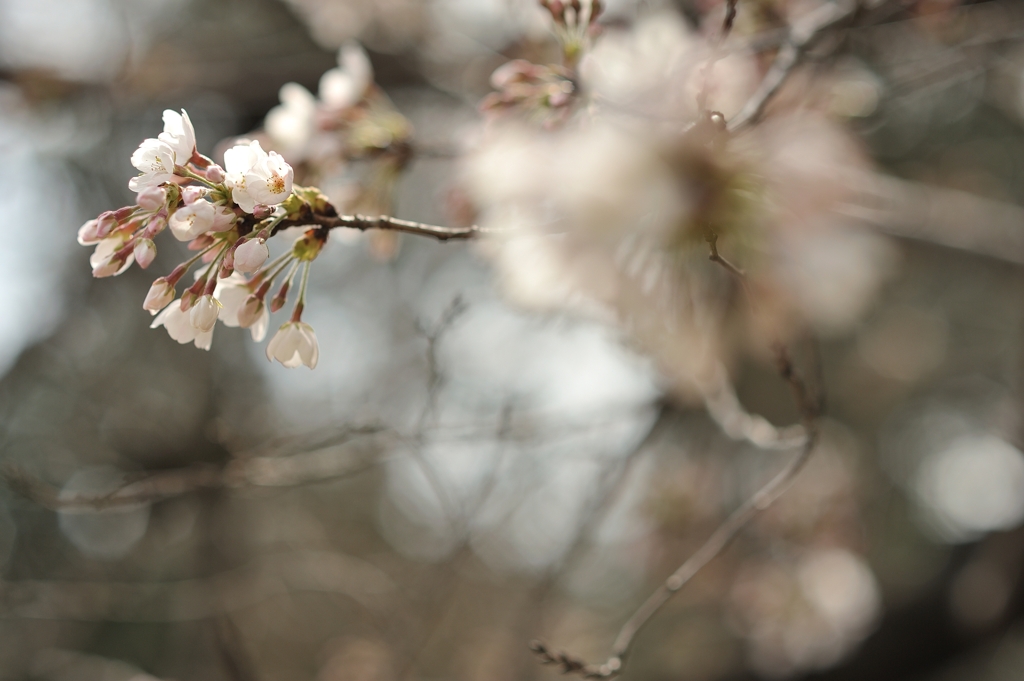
{"x": 123, "y": 213}
{"x": 278, "y": 301}
{"x": 261, "y": 211}
{"x": 227, "y": 265}
{"x": 215, "y": 174}
{"x": 160, "y": 295}
{"x": 250, "y": 311}
{"x": 145, "y": 252}
{"x": 152, "y": 198}
{"x": 107, "y": 222}
{"x": 192, "y": 194}
{"x": 204, "y": 313}
{"x": 188, "y": 299}
{"x": 250, "y": 256}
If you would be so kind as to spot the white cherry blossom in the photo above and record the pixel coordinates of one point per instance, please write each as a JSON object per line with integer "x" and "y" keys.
{"x": 250, "y": 256}
{"x": 145, "y": 252}
{"x": 155, "y": 160}
{"x": 291, "y": 123}
{"x": 344, "y": 86}
{"x": 294, "y": 344}
{"x": 103, "y": 262}
{"x": 204, "y": 313}
{"x": 179, "y": 135}
{"x": 179, "y": 326}
{"x": 190, "y": 221}
{"x": 153, "y": 198}
{"x": 256, "y": 177}
{"x": 160, "y": 295}
{"x": 234, "y": 294}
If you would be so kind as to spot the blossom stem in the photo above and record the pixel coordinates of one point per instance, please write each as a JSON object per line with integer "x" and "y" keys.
{"x": 301, "y": 303}
{"x": 185, "y": 172}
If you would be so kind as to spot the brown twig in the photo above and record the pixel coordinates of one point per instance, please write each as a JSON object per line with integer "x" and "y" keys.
{"x": 802, "y": 35}
{"x": 365, "y": 222}
{"x": 808, "y": 404}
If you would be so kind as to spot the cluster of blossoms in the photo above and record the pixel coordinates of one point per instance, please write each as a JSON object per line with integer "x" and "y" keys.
{"x": 348, "y": 139}
{"x": 226, "y": 214}
{"x": 614, "y": 209}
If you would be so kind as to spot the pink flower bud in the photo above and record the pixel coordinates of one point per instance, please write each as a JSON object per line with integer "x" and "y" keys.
{"x": 215, "y": 174}
{"x": 145, "y": 252}
{"x": 250, "y": 311}
{"x": 152, "y": 198}
{"x": 278, "y": 301}
{"x": 261, "y": 211}
{"x": 192, "y": 194}
{"x": 160, "y": 295}
{"x": 204, "y": 313}
{"x": 250, "y": 256}
{"x": 107, "y": 222}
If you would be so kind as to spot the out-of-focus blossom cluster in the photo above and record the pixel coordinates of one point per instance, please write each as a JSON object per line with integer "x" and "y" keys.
{"x": 615, "y": 211}
{"x": 349, "y": 140}
{"x": 226, "y": 214}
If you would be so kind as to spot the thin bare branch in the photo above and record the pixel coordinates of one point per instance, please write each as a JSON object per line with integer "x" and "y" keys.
{"x": 266, "y": 471}
{"x": 385, "y": 222}
{"x": 802, "y": 35}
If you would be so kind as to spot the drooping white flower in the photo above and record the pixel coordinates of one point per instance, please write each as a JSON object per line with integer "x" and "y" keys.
{"x": 204, "y": 313}
{"x": 179, "y": 326}
{"x": 160, "y": 295}
{"x": 155, "y": 160}
{"x": 104, "y": 261}
{"x": 179, "y": 135}
{"x": 256, "y": 177}
{"x": 250, "y": 256}
{"x": 294, "y": 344}
{"x": 344, "y": 86}
{"x": 291, "y": 123}
{"x": 234, "y": 293}
{"x": 190, "y": 221}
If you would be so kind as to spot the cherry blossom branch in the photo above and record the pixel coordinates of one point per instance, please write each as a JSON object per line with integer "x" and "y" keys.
{"x": 365, "y": 222}
{"x": 802, "y": 35}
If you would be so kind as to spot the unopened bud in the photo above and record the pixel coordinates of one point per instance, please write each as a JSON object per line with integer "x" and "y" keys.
{"x": 204, "y": 313}
{"x": 153, "y": 198}
{"x": 261, "y": 211}
{"x": 145, "y": 252}
{"x": 250, "y": 256}
{"x": 596, "y": 8}
{"x": 250, "y": 311}
{"x": 188, "y": 299}
{"x": 280, "y": 299}
{"x": 160, "y": 295}
{"x": 192, "y": 194}
{"x": 227, "y": 265}
{"x": 215, "y": 174}
{"x": 106, "y": 223}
